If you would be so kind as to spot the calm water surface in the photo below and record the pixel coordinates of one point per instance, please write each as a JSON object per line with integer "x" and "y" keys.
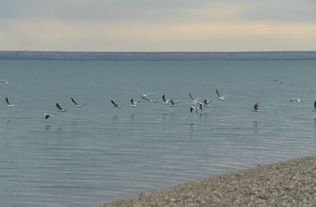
{"x": 96, "y": 153}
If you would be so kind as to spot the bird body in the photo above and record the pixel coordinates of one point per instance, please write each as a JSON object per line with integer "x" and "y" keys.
{"x": 133, "y": 103}
{"x": 206, "y": 102}
{"x": 173, "y": 103}
{"x": 200, "y": 106}
{"x": 256, "y": 107}
{"x": 297, "y": 100}
{"x": 194, "y": 108}
{"x": 48, "y": 115}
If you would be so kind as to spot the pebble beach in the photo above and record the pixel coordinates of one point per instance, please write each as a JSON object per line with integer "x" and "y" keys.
{"x": 288, "y": 183}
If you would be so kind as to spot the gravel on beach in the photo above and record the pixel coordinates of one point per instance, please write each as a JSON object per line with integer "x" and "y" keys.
{"x": 289, "y": 183}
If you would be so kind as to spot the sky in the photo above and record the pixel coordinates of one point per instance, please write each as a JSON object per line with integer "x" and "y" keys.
{"x": 158, "y": 25}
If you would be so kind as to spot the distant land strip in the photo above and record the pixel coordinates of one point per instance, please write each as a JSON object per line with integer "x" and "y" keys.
{"x": 157, "y": 56}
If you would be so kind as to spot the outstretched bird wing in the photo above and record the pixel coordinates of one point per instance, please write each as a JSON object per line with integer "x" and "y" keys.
{"x": 164, "y": 98}
{"x": 191, "y": 96}
{"x": 218, "y": 93}
{"x": 7, "y": 100}
{"x": 73, "y": 100}
{"x": 256, "y": 107}
{"x": 114, "y": 104}
{"x": 59, "y": 107}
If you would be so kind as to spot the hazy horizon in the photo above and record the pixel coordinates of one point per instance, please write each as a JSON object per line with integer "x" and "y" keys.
{"x": 157, "y": 56}
{"x": 91, "y": 51}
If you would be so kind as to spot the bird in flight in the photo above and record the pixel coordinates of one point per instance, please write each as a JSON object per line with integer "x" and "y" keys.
{"x": 115, "y": 105}
{"x": 133, "y": 103}
{"x": 164, "y": 100}
{"x": 60, "y": 109}
{"x": 219, "y": 96}
{"x": 4, "y": 81}
{"x": 173, "y": 103}
{"x": 206, "y": 102}
{"x": 297, "y": 100}
{"x": 75, "y": 102}
{"x": 48, "y": 115}
{"x": 145, "y": 97}
{"x": 194, "y": 100}
{"x": 194, "y": 108}
{"x": 256, "y": 107}
{"x": 8, "y": 102}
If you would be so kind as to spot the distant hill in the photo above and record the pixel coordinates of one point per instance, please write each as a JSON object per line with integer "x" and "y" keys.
{"x": 156, "y": 56}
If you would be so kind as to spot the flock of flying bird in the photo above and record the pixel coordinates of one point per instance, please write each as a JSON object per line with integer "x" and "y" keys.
{"x": 196, "y": 104}
{"x": 46, "y": 115}
{"x": 61, "y": 109}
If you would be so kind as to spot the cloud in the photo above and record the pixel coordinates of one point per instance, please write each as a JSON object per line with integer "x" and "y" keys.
{"x": 280, "y": 11}
{"x": 92, "y": 9}
{"x": 107, "y": 36}
{"x": 161, "y": 11}
{"x": 152, "y": 25}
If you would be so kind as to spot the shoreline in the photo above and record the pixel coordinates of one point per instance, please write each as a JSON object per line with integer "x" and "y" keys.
{"x": 286, "y": 183}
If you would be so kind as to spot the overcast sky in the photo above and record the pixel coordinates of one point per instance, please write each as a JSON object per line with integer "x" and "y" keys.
{"x": 158, "y": 25}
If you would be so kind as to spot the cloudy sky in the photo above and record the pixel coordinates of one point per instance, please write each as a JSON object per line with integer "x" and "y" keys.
{"x": 158, "y": 25}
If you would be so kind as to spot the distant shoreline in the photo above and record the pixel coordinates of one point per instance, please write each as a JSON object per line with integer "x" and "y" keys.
{"x": 156, "y": 56}
{"x": 289, "y": 183}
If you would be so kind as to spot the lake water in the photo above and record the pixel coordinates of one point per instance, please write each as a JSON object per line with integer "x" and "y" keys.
{"x": 97, "y": 153}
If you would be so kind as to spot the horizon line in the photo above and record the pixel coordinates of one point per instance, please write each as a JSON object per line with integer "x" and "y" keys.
{"x": 82, "y": 51}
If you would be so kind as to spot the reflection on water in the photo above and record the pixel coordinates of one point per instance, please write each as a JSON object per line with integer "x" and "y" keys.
{"x": 114, "y": 118}
{"x": 255, "y": 124}
{"x": 47, "y": 126}
{"x": 8, "y": 122}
